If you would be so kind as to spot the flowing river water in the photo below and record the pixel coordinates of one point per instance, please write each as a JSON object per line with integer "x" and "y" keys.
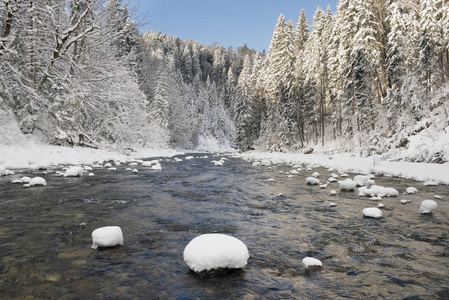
{"x": 45, "y": 235}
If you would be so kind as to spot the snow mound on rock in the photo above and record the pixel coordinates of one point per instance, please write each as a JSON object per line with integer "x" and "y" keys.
{"x": 215, "y": 251}
{"x": 108, "y": 236}
{"x": 427, "y": 206}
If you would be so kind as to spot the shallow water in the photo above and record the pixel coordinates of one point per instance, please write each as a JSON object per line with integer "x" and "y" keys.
{"x": 45, "y": 236}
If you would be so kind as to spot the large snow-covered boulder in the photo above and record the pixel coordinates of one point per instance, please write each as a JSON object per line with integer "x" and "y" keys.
{"x": 427, "y": 206}
{"x": 372, "y": 212}
{"x": 215, "y": 251}
{"x": 347, "y": 185}
{"x": 108, "y": 236}
{"x": 37, "y": 181}
{"x": 378, "y": 190}
{"x": 74, "y": 171}
{"x": 411, "y": 190}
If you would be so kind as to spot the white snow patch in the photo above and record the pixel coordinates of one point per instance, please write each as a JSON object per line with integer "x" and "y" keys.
{"x": 108, "y": 236}
{"x": 411, "y": 190}
{"x": 37, "y": 181}
{"x": 215, "y": 251}
{"x": 372, "y": 212}
{"x": 74, "y": 171}
{"x": 310, "y": 262}
{"x": 428, "y": 206}
{"x": 312, "y": 181}
{"x": 347, "y": 185}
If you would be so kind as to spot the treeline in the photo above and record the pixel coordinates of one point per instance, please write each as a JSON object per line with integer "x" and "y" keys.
{"x": 360, "y": 76}
{"x": 80, "y": 73}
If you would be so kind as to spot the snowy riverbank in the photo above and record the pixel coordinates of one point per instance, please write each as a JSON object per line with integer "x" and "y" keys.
{"x": 347, "y": 163}
{"x": 35, "y": 155}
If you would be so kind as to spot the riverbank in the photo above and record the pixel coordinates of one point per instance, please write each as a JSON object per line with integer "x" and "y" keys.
{"x": 35, "y": 155}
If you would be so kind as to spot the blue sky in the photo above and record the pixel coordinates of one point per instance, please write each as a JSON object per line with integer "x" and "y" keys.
{"x": 226, "y": 22}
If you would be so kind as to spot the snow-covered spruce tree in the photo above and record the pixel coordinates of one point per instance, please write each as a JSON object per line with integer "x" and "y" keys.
{"x": 243, "y": 110}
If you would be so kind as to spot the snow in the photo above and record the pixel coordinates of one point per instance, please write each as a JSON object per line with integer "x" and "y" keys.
{"x": 411, "y": 190}
{"x": 108, "y": 236}
{"x": 361, "y": 165}
{"x": 360, "y": 180}
{"x": 378, "y": 190}
{"x": 347, "y": 185}
{"x": 37, "y": 181}
{"x": 214, "y": 251}
{"x": 312, "y": 181}
{"x": 372, "y": 212}
{"x": 310, "y": 262}
{"x": 427, "y": 206}
{"x": 74, "y": 171}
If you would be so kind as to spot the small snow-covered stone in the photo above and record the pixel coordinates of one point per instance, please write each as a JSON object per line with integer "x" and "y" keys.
{"x": 427, "y": 206}
{"x": 332, "y": 179}
{"x": 312, "y": 181}
{"x": 294, "y": 172}
{"x": 265, "y": 162}
{"x": 438, "y": 197}
{"x": 112, "y": 169}
{"x": 133, "y": 164}
{"x": 156, "y": 167}
{"x": 108, "y": 236}
{"x": 128, "y": 169}
{"x": 37, "y": 181}
{"x": 380, "y": 205}
{"x": 332, "y": 204}
{"x": 405, "y": 201}
{"x": 87, "y": 168}
{"x": 316, "y": 174}
{"x": 333, "y": 192}
{"x": 361, "y": 179}
{"x": 74, "y": 171}
{"x": 372, "y": 212}
{"x": 135, "y": 171}
{"x": 189, "y": 157}
{"x": 344, "y": 175}
{"x": 270, "y": 179}
{"x": 25, "y": 179}
{"x": 215, "y": 251}
{"x": 107, "y": 165}
{"x": 256, "y": 164}
{"x": 347, "y": 185}
{"x": 411, "y": 190}
{"x": 219, "y": 163}
{"x": 323, "y": 186}
{"x": 17, "y": 181}
{"x": 310, "y": 262}
{"x": 430, "y": 183}
{"x": 91, "y": 174}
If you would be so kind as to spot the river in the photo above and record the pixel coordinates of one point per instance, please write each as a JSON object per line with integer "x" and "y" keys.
{"x": 45, "y": 235}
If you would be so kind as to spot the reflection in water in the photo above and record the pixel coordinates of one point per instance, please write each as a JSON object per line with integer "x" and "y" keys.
{"x": 45, "y": 236}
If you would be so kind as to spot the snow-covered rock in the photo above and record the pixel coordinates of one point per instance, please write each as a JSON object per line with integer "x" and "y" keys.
{"x": 256, "y": 164}
{"x": 107, "y": 165}
{"x": 333, "y": 192}
{"x": 380, "y": 205}
{"x": 332, "y": 179}
{"x": 150, "y": 163}
{"x": 219, "y": 163}
{"x": 405, "y": 201}
{"x": 379, "y": 191}
{"x": 156, "y": 167}
{"x": 430, "y": 183}
{"x": 177, "y": 159}
{"x": 135, "y": 171}
{"x": 427, "y": 206}
{"x": 133, "y": 164}
{"x": 215, "y": 251}
{"x": 347, "y": 185}
{"x": 323, "y": 186}
{"x": 411, "y": 190}
{"x": 361, "y": 179}
{"x": 332, "y": 204}
{"x": 316, "y": 174}
{"x": 265, "y": 162}
{"x": 312, "y": 181}
{"x": 37, "y": 181}
{"x": 25, "y": 179}
{"x": 108, "y": 236}
{"x": 438, "y": 197}
{"x": 310, "y": 262}
{"x": 91, "y": 175}
{"x": 74, "y": 171}
{"x": 87, "y": 168}
{"x": 372, "y": 212}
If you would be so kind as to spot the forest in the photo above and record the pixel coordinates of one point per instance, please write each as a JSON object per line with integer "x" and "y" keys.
{"x": 364, "y": 78}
